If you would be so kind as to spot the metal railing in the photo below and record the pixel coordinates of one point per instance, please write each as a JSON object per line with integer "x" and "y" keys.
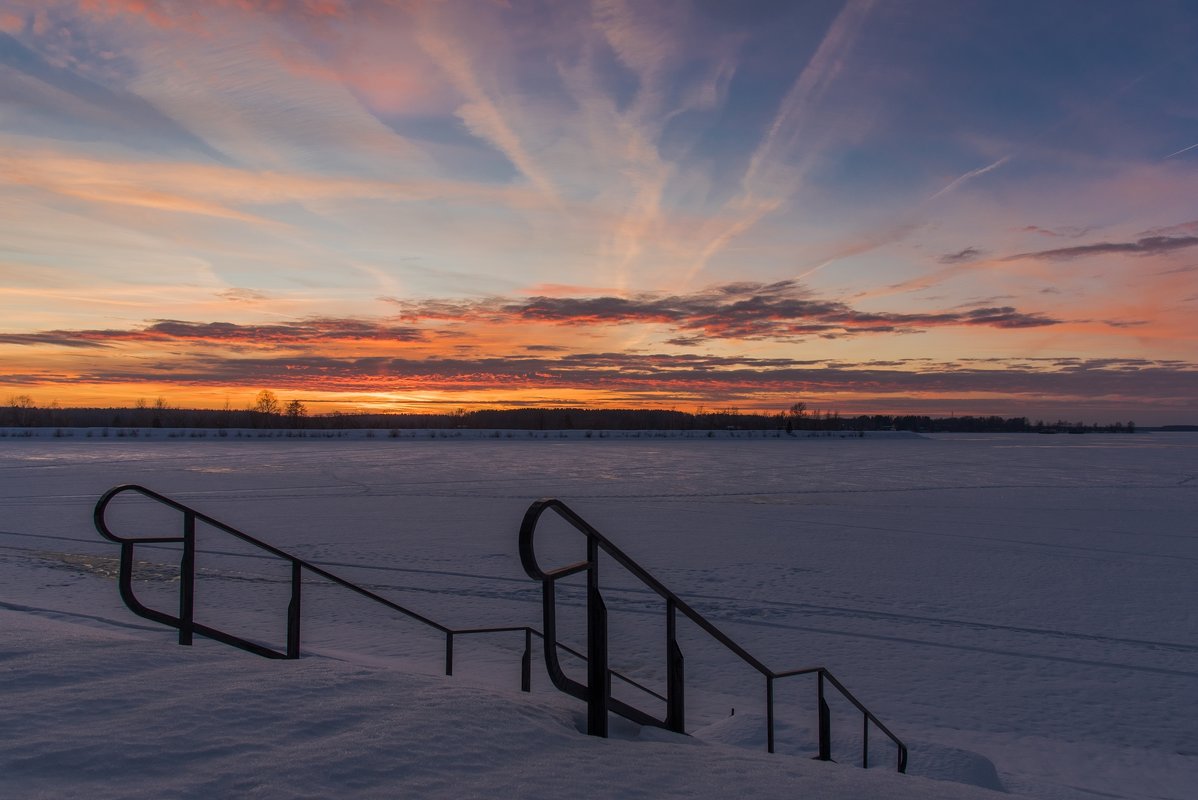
{"x": 599, "y": 674}
{"x": 185, "y": 620}
{"x": 596, "y": 693}
{"x": 188, "y": 627}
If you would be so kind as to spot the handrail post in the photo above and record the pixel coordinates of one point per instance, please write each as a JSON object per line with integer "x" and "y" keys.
{"x": 825, "y": 722}
{"x": 293, "y": 611}
{"x": 526, "y": 663}
{"x": 187, "y": 570}
{"x": 598, "y": 677}
{"x": 125, "y": 576}
{"x": 769, "y": 713}
{"x": 675, "y": 673}
{"x": 865, "y": 741}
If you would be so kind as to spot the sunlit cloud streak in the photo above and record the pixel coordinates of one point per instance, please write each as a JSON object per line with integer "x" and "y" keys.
{"x": 1182, "y": 150}
{"x": 740, "y": 311}
{"x": 221, "y": 191}
{"x": 44, "y": 89}
{"x": 480, "y": 113}
{"x": 780, "y": 310}
{"x": 701, "y": 378}
{"x": 968, "y": 176}
{"x": 774, "y": 173}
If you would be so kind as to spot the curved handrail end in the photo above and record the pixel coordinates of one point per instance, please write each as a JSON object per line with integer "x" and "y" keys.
{"x": 102, "y": 507}
{"x": 528, "y": 526}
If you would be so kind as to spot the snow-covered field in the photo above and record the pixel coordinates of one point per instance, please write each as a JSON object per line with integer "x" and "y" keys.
{"x": 1022, "y": 610}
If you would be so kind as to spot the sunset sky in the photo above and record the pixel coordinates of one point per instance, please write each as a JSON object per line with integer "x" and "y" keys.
{"x": 899, "y": 206}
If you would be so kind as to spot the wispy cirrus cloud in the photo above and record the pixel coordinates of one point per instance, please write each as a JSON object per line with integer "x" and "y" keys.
{"x": 43, "y": 92}
{"x": 222, "y": 191}
{"x": 968, "y": 176}
{"x": 815, "y": 80}
{"x": 486, "y": 117}
{"x": 774, "y": 173}
{"x": 172, "y": 14}
{"x": 631, "y": 73}
{"x": 1182, "y": 150}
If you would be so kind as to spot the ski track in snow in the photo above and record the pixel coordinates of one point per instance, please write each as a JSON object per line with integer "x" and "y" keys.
{"x": 722, "y": 608}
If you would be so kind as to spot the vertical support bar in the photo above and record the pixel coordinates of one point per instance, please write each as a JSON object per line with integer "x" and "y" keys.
{"x": 125, "y": 576}
{"x": 598, "y": 676}
{"x": 187, "y": 575}
{"x": 293, "y": 611}
{"x": 448, "y": 652}
{"x": 825, "y": 723}
{"x": 769, "y": 713}
{"x": 526, "y": 663}
{"x": 865, "y": 741}
{"x": 675, "y": 675}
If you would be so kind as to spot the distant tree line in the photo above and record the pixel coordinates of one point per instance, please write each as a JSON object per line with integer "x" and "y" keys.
{"x": 269, "y": 411}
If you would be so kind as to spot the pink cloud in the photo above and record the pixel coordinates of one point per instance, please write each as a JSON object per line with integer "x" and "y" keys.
{"x": 11, "y": 23}
{"x": 166, "y": 14}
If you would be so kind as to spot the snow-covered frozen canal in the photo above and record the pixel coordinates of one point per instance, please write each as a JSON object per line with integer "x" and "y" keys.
{"x": 1021, "y": 609}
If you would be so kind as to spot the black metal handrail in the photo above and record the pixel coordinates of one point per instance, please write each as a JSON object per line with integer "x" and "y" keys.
{"x": 596, "y": 658}
{"x": 185, "y": 620}
{"x": 597, "y": 690}
{"x": 188, "y": 627}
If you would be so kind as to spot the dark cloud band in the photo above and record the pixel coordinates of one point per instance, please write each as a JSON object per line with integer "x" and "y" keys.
{"x": 781, "y": 310}
{"x": 1146, "y": 246}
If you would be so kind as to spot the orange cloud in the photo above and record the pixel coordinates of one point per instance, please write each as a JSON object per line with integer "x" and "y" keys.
{"x": 11, "y": 22}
